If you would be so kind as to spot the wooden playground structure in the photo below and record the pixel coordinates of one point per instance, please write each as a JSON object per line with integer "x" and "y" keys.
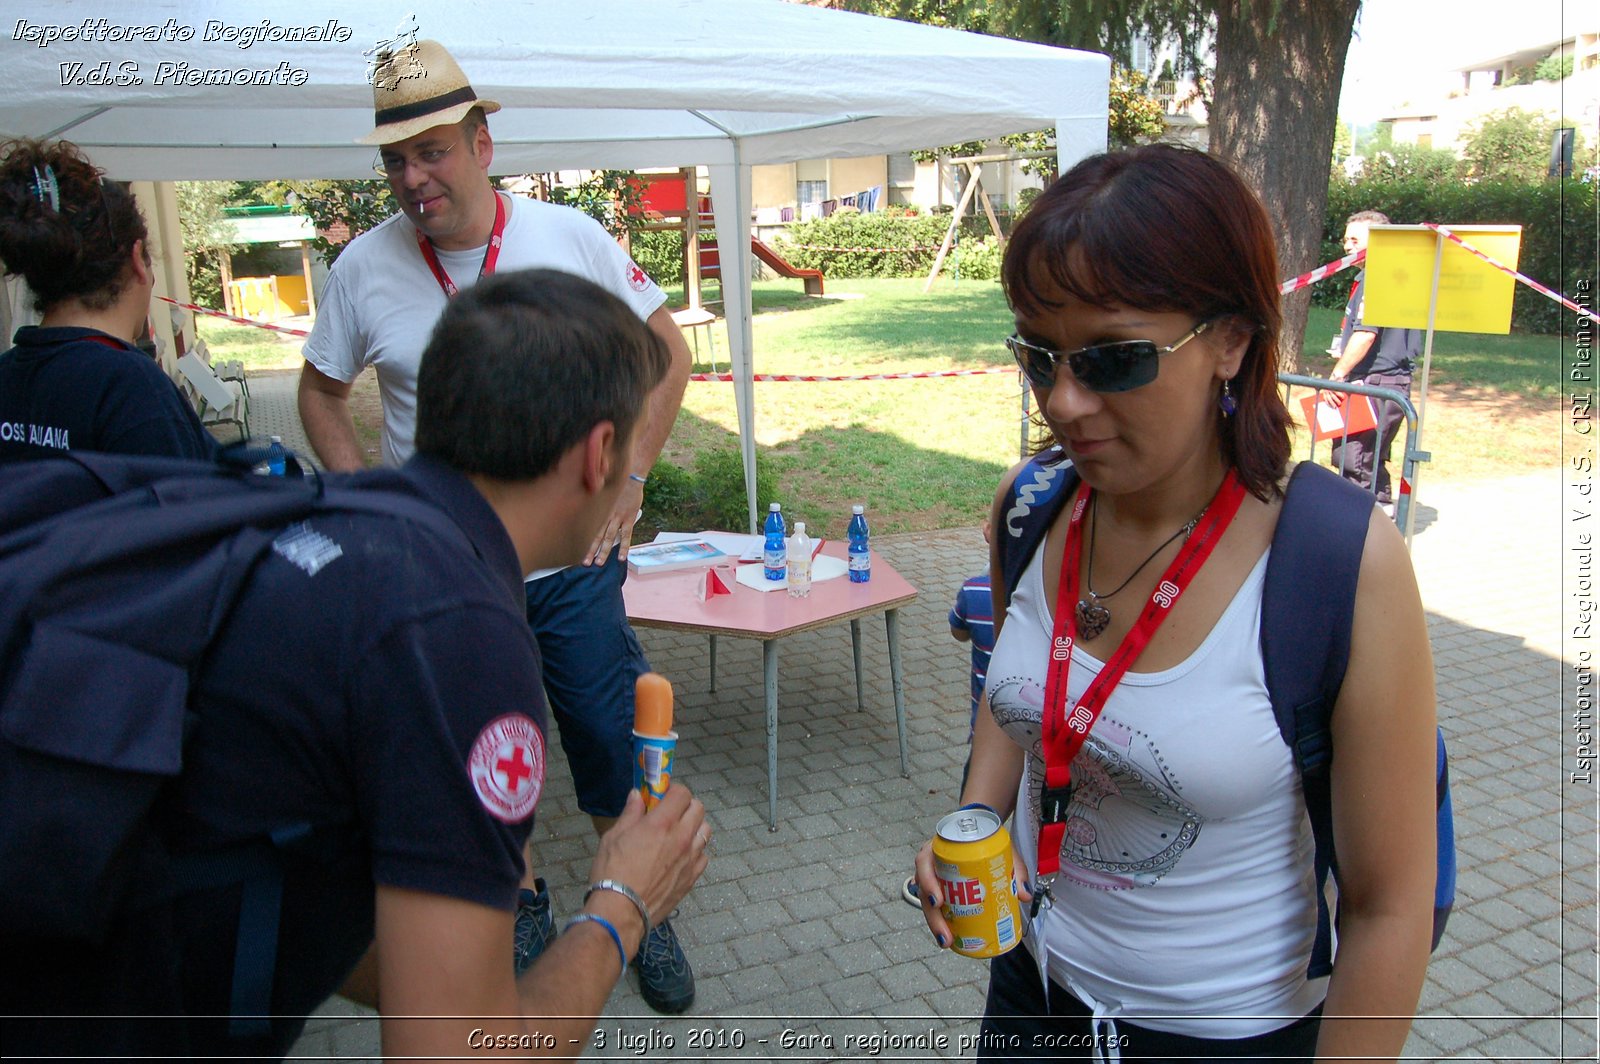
{"x": 667, "y": 197}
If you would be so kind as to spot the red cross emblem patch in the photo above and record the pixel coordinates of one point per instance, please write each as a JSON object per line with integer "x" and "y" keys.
{"x": 507, "y": 766}
{"x": 637, "y": 280}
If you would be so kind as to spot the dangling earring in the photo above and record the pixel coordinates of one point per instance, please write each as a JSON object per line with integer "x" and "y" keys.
{"x": 1226, "y": 402}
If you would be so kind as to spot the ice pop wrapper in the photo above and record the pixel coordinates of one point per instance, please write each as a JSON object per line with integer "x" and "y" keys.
{"x": 654, "y": 741}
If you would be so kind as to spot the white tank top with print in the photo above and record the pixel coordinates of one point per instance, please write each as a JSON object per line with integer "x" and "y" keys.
{"x": 1186, "y": 888}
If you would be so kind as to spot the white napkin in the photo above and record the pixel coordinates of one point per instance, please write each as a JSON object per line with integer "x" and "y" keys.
{"x": 823, "y": 568}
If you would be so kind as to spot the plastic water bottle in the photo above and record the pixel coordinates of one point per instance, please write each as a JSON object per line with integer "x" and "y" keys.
{"x": 275, "y": 457}
{"x": 800, "y": 546}
{"x": 773, "y": 555}
{"x": 860, "y": 559}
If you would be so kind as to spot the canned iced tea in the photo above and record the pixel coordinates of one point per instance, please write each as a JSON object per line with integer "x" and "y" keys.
{"x": 972, "y": 860}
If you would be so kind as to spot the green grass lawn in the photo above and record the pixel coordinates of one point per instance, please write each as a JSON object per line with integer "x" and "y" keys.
{"x": 1525, "y": 364}
{"x": 258, "y": 349}
{"x": 927, "y": 453}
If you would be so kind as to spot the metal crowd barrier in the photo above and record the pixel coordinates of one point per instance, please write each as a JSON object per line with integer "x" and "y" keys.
{"x": 1410, "y": 456}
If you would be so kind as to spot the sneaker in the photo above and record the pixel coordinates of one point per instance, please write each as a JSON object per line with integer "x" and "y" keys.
{"x": 909, "y": 891}
{"x": 666, "y": 982}
{"x": 534, "y": 929}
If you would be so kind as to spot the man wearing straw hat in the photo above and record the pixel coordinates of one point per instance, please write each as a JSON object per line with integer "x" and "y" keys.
{"x": 383, "y": 296}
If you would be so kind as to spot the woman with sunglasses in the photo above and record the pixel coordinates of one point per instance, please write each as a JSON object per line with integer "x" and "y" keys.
{"x": 1179, "y": 917}
{"x": 76, "y": 381}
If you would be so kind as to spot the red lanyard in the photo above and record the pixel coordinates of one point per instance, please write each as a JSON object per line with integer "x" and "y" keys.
{"x": 1344, "y": 319}
{"x": 491, "y": 254}
{"x": 1066, "y": 727}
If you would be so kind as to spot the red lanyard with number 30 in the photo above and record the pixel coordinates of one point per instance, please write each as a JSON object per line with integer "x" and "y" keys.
{"x": 1067, "y": 726}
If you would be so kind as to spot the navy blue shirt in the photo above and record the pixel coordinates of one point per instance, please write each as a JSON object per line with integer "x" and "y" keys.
{"x": 1392, "y": 353}
{"x": 973, "y": 613}
{"x": 70, "y": 388}
{"x": 373, "y": 677}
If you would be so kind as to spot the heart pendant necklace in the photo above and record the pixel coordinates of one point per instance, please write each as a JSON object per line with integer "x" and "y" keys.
{"x": 1092, "y": 615}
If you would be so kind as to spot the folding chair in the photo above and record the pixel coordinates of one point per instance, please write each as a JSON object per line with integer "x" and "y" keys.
{"x": 216, "y": 401}
{"x": 234, "y": 371}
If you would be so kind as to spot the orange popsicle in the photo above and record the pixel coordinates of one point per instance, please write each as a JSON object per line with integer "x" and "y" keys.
{"x": 652, "y": 705}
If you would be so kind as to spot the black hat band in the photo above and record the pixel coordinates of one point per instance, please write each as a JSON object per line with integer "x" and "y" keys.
{"x": 406, "y": 112}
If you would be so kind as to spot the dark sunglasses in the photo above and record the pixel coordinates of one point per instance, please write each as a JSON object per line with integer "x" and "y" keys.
{"x": 1115, "y": 367}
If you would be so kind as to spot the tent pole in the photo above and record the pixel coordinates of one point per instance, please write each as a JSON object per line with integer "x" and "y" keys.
{"x": 1080, "y": 136}
{"x": 730, "y": 204}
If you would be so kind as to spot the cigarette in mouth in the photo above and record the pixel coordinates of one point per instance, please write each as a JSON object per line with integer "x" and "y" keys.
{"x": 422, "y": 208}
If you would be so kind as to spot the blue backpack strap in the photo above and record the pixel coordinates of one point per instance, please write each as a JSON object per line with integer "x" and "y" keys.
{"x": 1037, "y": 494}
{"x": 1444, "y": 886}
{"x": 1307, "y": 607}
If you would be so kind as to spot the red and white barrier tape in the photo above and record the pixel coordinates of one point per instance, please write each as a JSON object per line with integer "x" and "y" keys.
{"x": 229, "y": 317}
{"x": 1293, "y": 285}
{"x": 1524, "y": 278}
{"x": 829, "y": 247}
{"x": 794, "y": 377}
{"x": 1305, "y": 280}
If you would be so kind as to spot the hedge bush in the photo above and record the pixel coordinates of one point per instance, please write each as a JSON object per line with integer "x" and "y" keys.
{"x": 1558, "y": 220}
{"x": 659, "y": 253}
{"x": 979, "y": 260}
{"x": 914, "y": 239}
{"x": 708, "y": 496}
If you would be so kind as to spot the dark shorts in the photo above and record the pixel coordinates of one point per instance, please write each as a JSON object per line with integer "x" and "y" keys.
{"x": 1357, "y": 455}
{"x": 591, "y": 660}
{"x": 1018, "y": 1026}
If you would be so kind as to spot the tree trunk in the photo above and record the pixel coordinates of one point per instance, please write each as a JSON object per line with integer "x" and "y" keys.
{"x": 1280, "y": 64}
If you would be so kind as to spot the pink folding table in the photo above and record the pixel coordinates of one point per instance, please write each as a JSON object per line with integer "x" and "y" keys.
{"x": 667, "y": 600}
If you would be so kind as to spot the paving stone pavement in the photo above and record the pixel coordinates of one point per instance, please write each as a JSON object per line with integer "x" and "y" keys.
{"x": 273, "y": 411}
{"x": 802, "y": 930}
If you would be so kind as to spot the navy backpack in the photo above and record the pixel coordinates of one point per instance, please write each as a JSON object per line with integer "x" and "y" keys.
{"x": 116, "y": 575}
{"x": 1307, "y": 605}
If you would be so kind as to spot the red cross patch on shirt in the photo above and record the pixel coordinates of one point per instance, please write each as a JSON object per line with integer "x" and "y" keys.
{"x": 637, "y": 280}
{"x": 507, "y": 766}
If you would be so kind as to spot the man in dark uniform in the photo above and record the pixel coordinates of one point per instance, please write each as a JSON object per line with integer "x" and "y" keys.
{"x": 1379, "y": 357}
{"x": 383, "y": 296}
{"x": 378, "y": 681}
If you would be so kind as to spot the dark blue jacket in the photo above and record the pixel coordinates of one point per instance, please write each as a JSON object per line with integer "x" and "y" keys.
{"x": 372, "y": 679}
{"x": 70, "y": 388}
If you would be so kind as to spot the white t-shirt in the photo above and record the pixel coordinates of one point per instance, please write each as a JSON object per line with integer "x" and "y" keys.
{"x": 381, "y": 300}
{"x": 1186, "y": 888}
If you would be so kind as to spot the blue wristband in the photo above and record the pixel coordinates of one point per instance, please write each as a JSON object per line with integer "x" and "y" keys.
{"x": 637, "y": 479}
{"x": 591, "y": 918}
{"x": 980, "y": 805}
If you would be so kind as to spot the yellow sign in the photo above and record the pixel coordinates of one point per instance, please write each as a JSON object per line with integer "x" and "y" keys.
{"x": 1474, "y": 296}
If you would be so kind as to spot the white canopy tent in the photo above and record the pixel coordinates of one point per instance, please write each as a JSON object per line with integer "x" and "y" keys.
{"x": 725, "y": 84}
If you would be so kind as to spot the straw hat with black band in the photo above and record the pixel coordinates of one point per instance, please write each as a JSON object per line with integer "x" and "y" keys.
{"x": 417, "y": 88}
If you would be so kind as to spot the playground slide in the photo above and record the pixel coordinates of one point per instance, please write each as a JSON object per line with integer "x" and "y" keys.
{"x": 812, "y": 278}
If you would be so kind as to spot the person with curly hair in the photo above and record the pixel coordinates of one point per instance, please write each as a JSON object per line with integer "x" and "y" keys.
{"x": 76, "y": 381}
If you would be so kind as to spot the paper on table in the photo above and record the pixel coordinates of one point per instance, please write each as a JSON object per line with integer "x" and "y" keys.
{"x": 823, "y": 568}
{"x": 744, "y": 547}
